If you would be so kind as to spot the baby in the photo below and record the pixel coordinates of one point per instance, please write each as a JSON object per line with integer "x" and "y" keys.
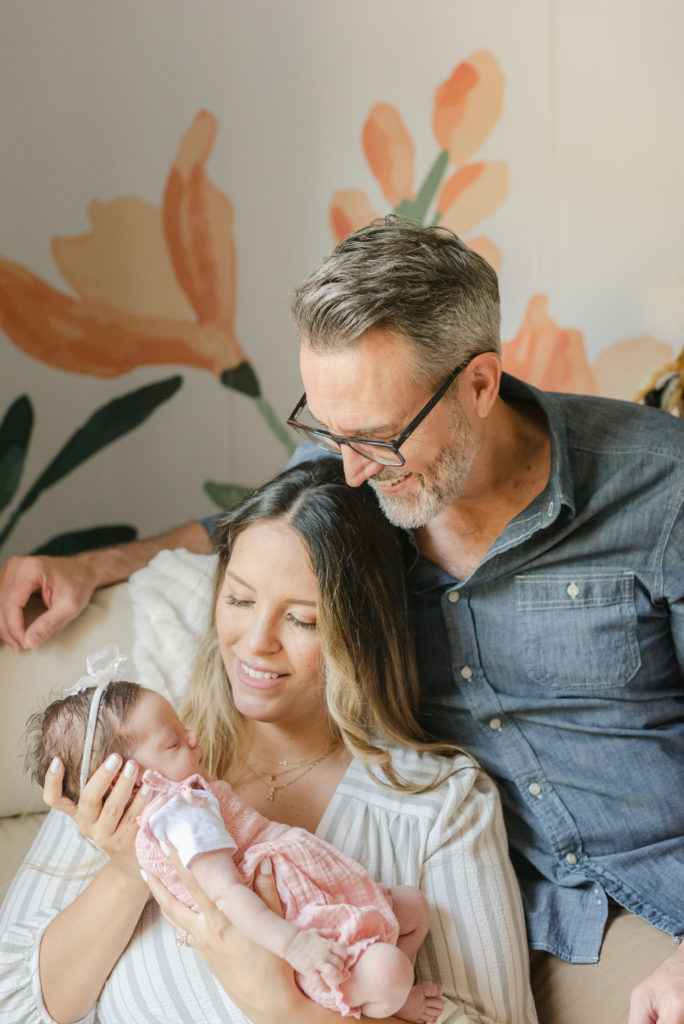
{"x": 350, "y": 941}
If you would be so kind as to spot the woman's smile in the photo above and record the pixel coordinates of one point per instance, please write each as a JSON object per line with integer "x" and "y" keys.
{"x": 260, "y": 679}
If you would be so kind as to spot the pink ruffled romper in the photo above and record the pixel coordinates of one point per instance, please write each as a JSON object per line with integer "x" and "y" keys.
{"x": 319, "y": 887}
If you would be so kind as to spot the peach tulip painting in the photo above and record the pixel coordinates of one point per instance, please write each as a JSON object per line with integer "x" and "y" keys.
{"x": 459, "y": 192}
{"x": 148, "y": 286}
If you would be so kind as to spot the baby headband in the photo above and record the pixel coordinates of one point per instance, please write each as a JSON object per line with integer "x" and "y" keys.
{"x": 104, "y": 667}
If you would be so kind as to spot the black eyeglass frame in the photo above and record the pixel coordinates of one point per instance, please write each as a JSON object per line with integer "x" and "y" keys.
{"x": 317, "y": 434}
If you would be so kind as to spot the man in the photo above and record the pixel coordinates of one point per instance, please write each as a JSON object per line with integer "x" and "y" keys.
{"x": 544, "y": 562}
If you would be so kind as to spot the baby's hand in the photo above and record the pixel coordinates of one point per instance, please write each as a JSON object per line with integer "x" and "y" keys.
{"x": 310, "y": 952}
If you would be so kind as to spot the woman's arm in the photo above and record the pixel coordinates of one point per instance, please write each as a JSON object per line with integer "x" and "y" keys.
{"x": 88, "y": 933}
{"x": 59, "y": 865}
{"x": 477, "y": 945}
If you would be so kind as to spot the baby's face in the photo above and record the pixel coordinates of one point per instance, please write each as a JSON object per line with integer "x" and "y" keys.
{"x": 164, "y": 743}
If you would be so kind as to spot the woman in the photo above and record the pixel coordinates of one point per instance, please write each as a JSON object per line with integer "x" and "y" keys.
{"x": 306, "y": 679}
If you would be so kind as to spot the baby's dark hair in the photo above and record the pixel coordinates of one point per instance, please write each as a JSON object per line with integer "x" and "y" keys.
{"x": 59, "y": 731}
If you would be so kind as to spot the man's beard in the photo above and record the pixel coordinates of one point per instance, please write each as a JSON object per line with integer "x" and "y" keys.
{"x": 440, "y": 485}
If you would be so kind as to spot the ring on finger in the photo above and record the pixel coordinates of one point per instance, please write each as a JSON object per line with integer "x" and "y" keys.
{"x": 182, "y": 938}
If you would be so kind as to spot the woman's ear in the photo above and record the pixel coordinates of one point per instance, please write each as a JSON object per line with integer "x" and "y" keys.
{"x": 480, "y": 383}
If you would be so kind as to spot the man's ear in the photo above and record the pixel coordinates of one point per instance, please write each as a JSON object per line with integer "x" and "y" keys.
{"x": 480, "y": 383}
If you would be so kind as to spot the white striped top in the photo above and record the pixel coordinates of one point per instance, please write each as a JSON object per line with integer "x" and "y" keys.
{"x": 450, "y": 842}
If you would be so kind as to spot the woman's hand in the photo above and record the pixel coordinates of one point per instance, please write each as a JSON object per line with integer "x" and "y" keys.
{"x": 111, "y": 822}
{"x": 260, "y": 983}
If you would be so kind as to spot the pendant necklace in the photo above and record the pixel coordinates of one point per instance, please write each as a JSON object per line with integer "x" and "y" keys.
{"x": 301, "y": 767}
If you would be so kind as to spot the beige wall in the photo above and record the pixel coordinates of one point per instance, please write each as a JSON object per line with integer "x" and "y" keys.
{"x": 95, "y": 101}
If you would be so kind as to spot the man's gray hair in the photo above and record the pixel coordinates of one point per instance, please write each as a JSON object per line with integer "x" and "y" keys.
{"x": 422, "y": 284}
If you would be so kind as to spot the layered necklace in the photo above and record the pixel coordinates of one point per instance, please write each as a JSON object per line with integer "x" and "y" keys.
{"x": 298, "y": 769}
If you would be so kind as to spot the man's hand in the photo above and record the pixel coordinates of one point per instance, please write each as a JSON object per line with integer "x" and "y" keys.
{"x": 659, "y": 998}
{"x": 64, "y": 584}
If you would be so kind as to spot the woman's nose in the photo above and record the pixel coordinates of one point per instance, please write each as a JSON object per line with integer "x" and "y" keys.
{"x": 357, "y": 468}
{"x": 264, "y": 636}
{"x": 192, "y": 738}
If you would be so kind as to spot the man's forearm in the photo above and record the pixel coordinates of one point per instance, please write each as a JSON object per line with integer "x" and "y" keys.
{"x": 111, "y": 565}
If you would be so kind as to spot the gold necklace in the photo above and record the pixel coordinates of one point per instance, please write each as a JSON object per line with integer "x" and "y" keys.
{"x": 305, "y": 764}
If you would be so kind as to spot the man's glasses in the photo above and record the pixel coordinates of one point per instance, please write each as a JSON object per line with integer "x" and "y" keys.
{"x": 386, "y": 453}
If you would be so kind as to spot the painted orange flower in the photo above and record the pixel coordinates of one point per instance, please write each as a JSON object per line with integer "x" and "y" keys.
{"x": 550, "y": 357}
{"x": 466, "y": 107}
{"x": 153, "y": 286}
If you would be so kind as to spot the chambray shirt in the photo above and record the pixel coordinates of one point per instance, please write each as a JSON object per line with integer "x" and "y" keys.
{"x": 559, "y": 663}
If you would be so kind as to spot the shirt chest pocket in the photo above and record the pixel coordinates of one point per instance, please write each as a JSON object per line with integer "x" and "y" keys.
{"x": 578, "y": 633}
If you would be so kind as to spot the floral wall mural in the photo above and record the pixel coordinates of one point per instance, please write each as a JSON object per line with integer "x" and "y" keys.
{"x": 174, "y": 305}
{"x": 170, "y": 172}
{"x": 459, "y": 193}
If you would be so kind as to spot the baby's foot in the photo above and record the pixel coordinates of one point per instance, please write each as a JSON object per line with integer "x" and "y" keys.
{"x": 423, "y": 1005}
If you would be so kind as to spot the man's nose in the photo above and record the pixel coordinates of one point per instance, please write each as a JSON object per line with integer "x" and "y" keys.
{"x": 357, "y": 468}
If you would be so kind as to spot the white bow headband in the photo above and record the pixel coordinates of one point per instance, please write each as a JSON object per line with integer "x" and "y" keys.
{"x": 104, "y": 667}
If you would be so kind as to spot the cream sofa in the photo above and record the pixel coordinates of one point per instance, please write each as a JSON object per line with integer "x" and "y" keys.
{"x": 156, "y": 618}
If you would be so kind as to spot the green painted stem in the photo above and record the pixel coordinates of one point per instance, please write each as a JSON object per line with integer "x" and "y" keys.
{"x": 281, "y": 431}
{"x": 416, "y": 209}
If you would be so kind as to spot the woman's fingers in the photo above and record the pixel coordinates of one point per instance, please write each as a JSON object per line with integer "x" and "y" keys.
{"x": 52, "y": 789}
{"x": 265, "y": 887}
{"x": 180, "y": 917}
{"x": 95, "y": 790}
{"x": 119, "y": 797}
{"x": 206, "y": 906}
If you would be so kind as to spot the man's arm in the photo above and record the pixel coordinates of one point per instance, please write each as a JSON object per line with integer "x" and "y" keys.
{"x": 65, "y": 585}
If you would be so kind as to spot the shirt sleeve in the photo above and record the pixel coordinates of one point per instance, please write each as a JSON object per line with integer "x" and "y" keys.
{"x": 477, "y": 946}
{"x": 59, "y": 865}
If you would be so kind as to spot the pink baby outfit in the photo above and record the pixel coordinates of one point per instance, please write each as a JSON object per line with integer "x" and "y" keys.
{"x": 318, "y": 886}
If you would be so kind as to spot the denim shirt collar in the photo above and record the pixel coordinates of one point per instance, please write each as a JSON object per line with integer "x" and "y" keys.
{"x": 558, "y": 495}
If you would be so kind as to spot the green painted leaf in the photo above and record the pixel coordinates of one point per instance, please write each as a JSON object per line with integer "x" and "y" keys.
{"x": 225, "y": 495}
{"x": 242, "y": 378}
{"x": 87, "y": 540}
{"x": 15, "y": 435}
{"x": 107, "y": 424}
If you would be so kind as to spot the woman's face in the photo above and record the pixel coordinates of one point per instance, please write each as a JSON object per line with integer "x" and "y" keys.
{"x": 266, "y": 625}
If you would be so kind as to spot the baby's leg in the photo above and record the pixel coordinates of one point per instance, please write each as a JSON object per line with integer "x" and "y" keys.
{"x": 413, "y": 914}
{"x": 381, "y": 983}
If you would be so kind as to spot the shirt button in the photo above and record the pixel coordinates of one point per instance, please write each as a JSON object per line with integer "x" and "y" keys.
{"x": 467, "y": 672}
{"x": 534, "y": 788}
{"x": 573, "y": 590}
{"x": 454, "y": 596}
{"x": 571, "y": 859}
{"x": 495, "y": 723}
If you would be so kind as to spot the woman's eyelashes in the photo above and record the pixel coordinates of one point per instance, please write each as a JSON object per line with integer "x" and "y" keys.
{"x": 238, "y": 602}
{"x": 298, "y": 622}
